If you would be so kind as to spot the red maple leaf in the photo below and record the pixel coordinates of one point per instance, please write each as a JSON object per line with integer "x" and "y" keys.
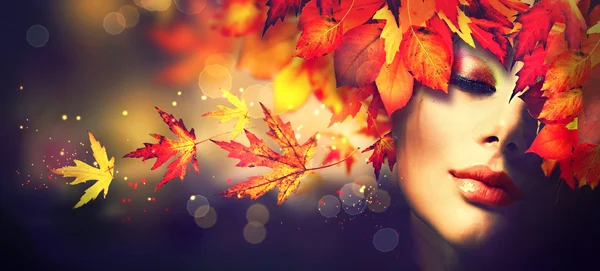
{"x": 167, "y": 148}
{"x": 533, "y": 68}
{"x": 383, "y": 148}
{"x": 491, "y": 37}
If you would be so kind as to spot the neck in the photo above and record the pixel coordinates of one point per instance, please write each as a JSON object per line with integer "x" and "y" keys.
{"x": 432, "y": 251}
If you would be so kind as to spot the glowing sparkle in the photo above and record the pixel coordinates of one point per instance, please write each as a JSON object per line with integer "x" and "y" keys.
{"x": 64, "y": 117}
{"x": 316, "y": 112}
{"x": 298, "y": 136}
{"x": 174, "y": 103}
{"x": 203, "y": 97}
{"x": 178, "y": 93}
{"x": 78, "y": 118}
{"x": 125, "y": 113}
{"x": 21, "y": 87}
{"x": 318, "y": 136}
{"x": 241, "y": 89}
{"x": 125, "y": 178}
{"x": 21, "y": 127}
{"x": 62, "y": 153}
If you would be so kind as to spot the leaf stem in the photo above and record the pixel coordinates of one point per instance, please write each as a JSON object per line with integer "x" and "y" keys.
{"x": 333, "y": 164}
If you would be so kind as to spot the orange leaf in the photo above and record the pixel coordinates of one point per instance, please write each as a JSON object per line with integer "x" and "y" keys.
{"x": 319, "y": 37}
{"x": 277, "y": 46}
{"x": 415, "y": 13}
{"x": 339, "y": 149}
{"x": 428, "y": 56}
{"x": 350, "y": 13}
{"x": 569, "y": 70}
{"x": 167, "y": 148}
{"x": 554, "y": 142}
{"x": 353, "y": 99}
{"x": 395, "y": 85}
{"x": 586, "y": 164}
{"x": 383, "y": 148}
{"x": 562, "y": 107}
{"x": 239, "y": 17}
{"x": 288, "y": 168}
{"x": 358, "y": 59}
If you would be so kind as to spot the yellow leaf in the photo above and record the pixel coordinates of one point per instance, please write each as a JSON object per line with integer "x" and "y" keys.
{"x": 84, "y": 172}
{"x": 463, "y": 22}
{"x": 291, "y": 86}
{"x": 594, "y": 29}
{"x": 391, "y": 34}
{"x": 226, "y": 114}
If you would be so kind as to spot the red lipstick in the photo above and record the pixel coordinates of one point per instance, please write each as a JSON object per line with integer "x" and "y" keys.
{"x": 481, "y": 184}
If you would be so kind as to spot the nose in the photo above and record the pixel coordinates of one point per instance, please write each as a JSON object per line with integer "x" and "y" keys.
{"x": 506, "y": 129}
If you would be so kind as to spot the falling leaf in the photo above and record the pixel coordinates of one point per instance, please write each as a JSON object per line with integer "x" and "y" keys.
{"x": 288, "y": 168}
{"x": 427, "y": 54}
{"x": 278, "y": 9}
{"x": 226, "y": 114}
{"x": 103, "y": 174}
{"x": 383, "y": 148}
{"x": 554, "y": 142}
{"x": 339, "y": 149}
{"x": 167, "y": 148}
{"x": 391, "y": 33}
{"x": 318, "y": 38}
{"x": 360, "y": 56}
{"x": 569, "y": 70}
{"x": 353, "y": 100}
{"x": 586, "y": 164}
{"x": 395, "y": 85}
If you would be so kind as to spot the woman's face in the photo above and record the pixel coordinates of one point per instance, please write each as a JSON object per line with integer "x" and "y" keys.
{"x": 461, "y": 153}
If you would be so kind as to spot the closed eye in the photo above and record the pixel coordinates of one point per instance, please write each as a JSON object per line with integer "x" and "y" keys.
{"x": 472, "y": 86}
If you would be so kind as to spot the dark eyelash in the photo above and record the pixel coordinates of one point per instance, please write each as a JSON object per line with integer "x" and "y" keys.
{"x": 472, "y": 86}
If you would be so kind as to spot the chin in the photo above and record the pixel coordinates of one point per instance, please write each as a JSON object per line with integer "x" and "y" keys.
{"x": 469, "y": 226}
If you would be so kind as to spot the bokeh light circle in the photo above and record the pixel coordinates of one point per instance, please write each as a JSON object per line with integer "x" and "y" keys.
{"x": 213, "y": 78}
{"x": 267, "y": 96}
{"x": 114, "y": 23}
{"x": 257, "y": 213}
{"x": 378, "y": 201}
{"x": 225, "y": 60}
{"x": 131, "y": 15}
{"x": 385, "y": 239}
{"x": 254, "y": 232}
{"x": 251, "y": 96}
{"x": 197, "y": 206}
{"x": 190, "y": 7}
{"x": 207, "y": 220}
{"x": 351, "y": 194}
{"x": 155, "y": 5}
{"x": 329, "y": 206}
{"x": 37, "y": 36}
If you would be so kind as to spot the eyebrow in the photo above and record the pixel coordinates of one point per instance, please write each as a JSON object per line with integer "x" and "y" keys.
{"x": 481, "y": 71}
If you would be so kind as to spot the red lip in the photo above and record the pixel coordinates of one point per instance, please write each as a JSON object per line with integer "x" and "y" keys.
{"x": 481, "y": 184}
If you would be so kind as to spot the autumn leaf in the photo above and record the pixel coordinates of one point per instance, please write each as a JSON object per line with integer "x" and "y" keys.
{"x": 349, "y": 13}
{"x": 554, "y": 142}
{"x": 450, "y": 9}
{"x": 299, "y": 79}
{"x": 394, "y": 8}
{"x": 548, "y": 166}
{"x": 239, "y": 17}
{"x": 226, "y": 114}
{"x": 319, "y": 37}
{"x": 167, "y": 148}
{"x": 353, "y": 101}
{"x": 278, "y": 9}
{"x": 427, "y": 54}
{"x": 391, "y": 33}
{"x": 395, "y": 85}
{"x": 589, "y": 119}
{"x": 462, "y": 30}
{"x": 415, "y": 13}
{"x": 569, "y": 70}
{"x": 103, "y": 174}
{"x": 328, "y": 6}
{"x": 358, "y": 59}
{"x": 383, "y": 148}
{"x": 490, "y": 36}
{"x": 288, "y": 168}
{"x": 539, "y": 19}
{"x": 533, "y": 68}
{"x": 562, "y": 107}
{"x": 277, "y": 46}
{"x": 586, "y": 164}
{"x": 339, "y": 149}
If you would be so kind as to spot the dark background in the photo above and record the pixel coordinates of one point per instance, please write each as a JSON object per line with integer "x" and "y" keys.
{"x": 38, "y": 235}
